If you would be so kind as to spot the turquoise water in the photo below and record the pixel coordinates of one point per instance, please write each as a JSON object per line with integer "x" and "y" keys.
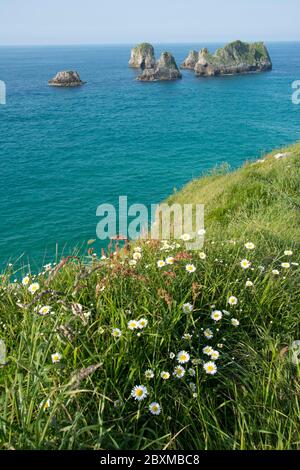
{"x": 65, "y": 151}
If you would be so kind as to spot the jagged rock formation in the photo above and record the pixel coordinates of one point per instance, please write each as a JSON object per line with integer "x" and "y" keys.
{"x": 66, "y": 79}
{"x": 164, "y": 69}
{"x": 236, "y": 57}
{"x": 142, "y": 56}
{"x": 191, "y": 60}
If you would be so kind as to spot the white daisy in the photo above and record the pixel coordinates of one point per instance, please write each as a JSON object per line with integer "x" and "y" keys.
{"x": 165, "y": 375}
{"x": 275, "y": 272}
{"x": 210, "y": 368}
{"x": 187, "y": 308}
{"x": 192, "y": 372}
{"x": 149, "y": 374}
{"x": 183, "y": 357}
{"x": 245, "y": 264}
{"x": 285, "y": 265}
{"x": 288, "y": 252}
{"x": 249, "y": 283}
{"x": 235, "y": 322}
{"x": 56, "y": 357}
{"x": 232, "y": 300}
{"x": 170, "y": 260}
{"x": 214, "y": 355}
{"x": 136, "y": 256}
{"x": 216, "y": 315}
{"x": 132, "y": 262}
{"x": 44, "y": 310}
{"x": 202, "y": 255}
{"x": 139, "y": 392}
{"x": 116, "y": 333}
{"x": 33, "y": 287}
{"x": 208, "y": 333}
{"x": 190, "y": 268}
{"x": 132, "y": 324}
{"x": 137, "y": 249}
{"x": 142, "y": 323}
{"x": 155, "y": 408}
{"x": 207, "y": 350}
{"x": 25, "y": 280}
{"x": 160, "y": 263}
{"x": 249, "y": 246}
{"x": 179, "y": 372}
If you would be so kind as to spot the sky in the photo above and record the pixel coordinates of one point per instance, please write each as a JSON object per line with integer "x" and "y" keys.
{"x": 41, "y": 22}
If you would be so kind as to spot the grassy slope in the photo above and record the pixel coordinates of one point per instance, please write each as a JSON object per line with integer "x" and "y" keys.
{"x": 253, "y": 400}
{"x": 260, "y": 200}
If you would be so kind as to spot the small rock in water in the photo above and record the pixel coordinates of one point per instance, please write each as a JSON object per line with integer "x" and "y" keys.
{"x": 66, "y": 79}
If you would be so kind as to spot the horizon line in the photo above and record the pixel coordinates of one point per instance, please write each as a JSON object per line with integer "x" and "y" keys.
{"x": 131, "y": 43}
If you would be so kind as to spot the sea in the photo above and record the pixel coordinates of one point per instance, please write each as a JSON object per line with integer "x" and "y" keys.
{"x": 64, "y": 152}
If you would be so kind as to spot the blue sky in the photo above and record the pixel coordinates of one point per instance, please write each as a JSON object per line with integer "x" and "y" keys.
{"x": 131, "y": 21}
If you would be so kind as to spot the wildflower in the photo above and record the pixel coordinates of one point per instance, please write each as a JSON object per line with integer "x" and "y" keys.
{"x": 179, "y": 372}
{"x": 137, "y": 249}
{"x": 249, "y": 246}
{"x": 132, "y": 262}
{"x": 25, "y": 280}
{"x": 245, "y": 264}
{"x": 202, "y": 255}
{"x": 155, "y": 408}
{"x": 187, "y": 337}
{"x": 47, "y": 267}
{"x": 285, "y": 265}
{"x": 295, "y": 264}
{"x": 116, "y": 333}
{"x": 192, "y": 386}
{"x": 235, "y": 322}
{"x": 249, "y": 283}
{"x": 187, "y": 308}
{"x": 192, "y": 372}
{"x": 142, "y": 323}
{"x": 136, "y": 256}
{"x": 185, "y": 237}
{"x": 210, "y": 368}
{"x": 214, "y": 355}
{"x": 275, "y": 272}
{"x": 139, "y": 392}
{"x": 118, "y": 403}
{"x": 44, "y": 310}
{"x": 201, "y": 232}
{"x": 161, "y": 263}
{"x": 149, "y": 374}
{"x": 33, "y": 287}
{"x": 132, "y": 324}
{"x": 216, "y": 315}
{"x": 172, "y": 355}
{"x": 190, "y": 268}
{"x": 170, "y": 260}
{"x": 208, "y": 333}
{"x": 232, "y": 300}
{"x": 183, "y": 357}
{"x": 165, "y": 375}
{"x": 288, "y": 253}
{"x": 45, "y": 405}
{"x": 56, "y": 357}
{"x": 207, "y": 350}
{"x": 195, "y": 395}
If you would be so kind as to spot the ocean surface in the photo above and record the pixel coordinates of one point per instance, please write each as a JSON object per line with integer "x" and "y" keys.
{"x": 63, "y": 152}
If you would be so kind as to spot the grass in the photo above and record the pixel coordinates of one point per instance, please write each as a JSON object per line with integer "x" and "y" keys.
{"x": 252, "y": 402}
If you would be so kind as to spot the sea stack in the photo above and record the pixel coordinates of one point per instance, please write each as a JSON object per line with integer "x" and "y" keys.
{"x": 236, "y": 57}
{"x": 142, "y": 56}
{"x": 165, "y": 69}
{"x": 191, "y": 60}
{"x": 66, "y": 79}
